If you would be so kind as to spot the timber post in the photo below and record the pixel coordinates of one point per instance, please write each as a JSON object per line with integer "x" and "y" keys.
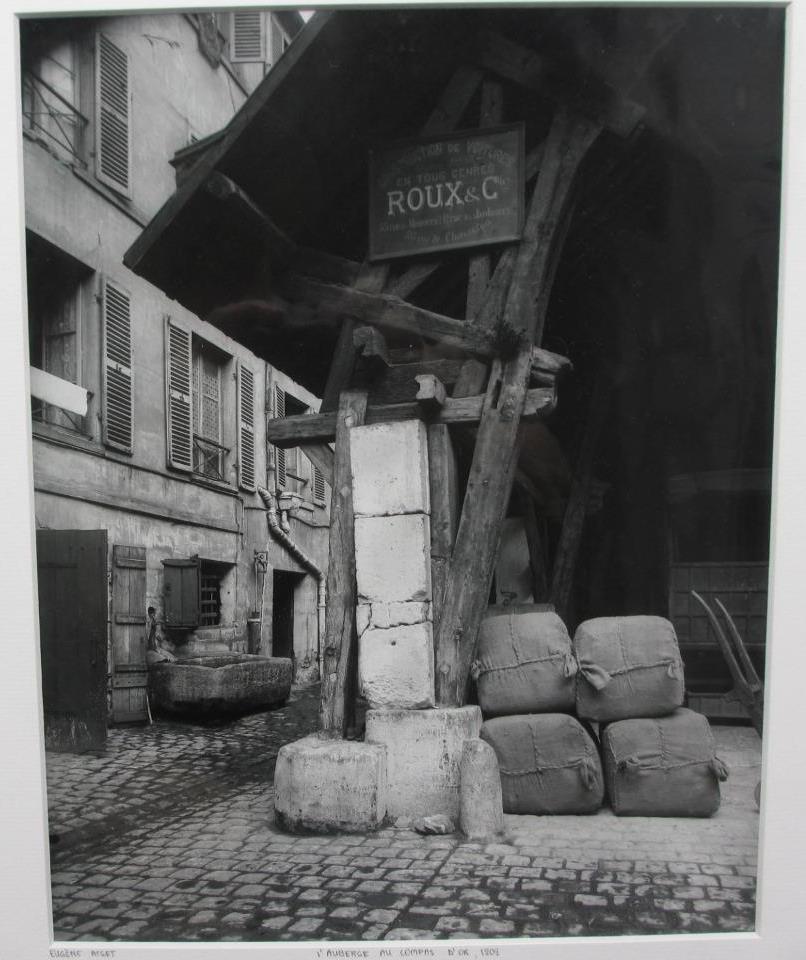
{"x": 340, "y": 641}
{"x": 495, "y": 455}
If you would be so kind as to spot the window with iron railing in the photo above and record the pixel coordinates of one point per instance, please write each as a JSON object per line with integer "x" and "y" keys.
{"x": 50, "y": 98}
{"x": 209, "y": 453}
{"x": 76, "y": 101}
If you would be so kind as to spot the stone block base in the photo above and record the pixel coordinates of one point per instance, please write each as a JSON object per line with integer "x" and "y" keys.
{"x": 330, "y": 786}
{"x": 424, "y": 754}
{"x": 396, "y": 666}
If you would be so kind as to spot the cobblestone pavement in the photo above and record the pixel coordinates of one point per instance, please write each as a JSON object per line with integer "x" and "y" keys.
{"x": 170, "y": 836}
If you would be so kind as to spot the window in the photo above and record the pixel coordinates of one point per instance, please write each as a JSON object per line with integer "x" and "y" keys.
{"x": 66, "y": 81}
{"x": 293, "y": 471}
{"x": 50, "y": 95}
{"x": 208, "y": 451}
{"x": 57, "y": 291}
{"x": 198, "y": 433}
{"x": 209, "y": 594}
{"x": 196, "y": 592}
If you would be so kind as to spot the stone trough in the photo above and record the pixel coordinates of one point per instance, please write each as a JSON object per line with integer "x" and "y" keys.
{"x": 225, "y": 685}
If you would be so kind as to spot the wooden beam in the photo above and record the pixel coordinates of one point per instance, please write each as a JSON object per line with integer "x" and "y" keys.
{"x": 321, "y": 456}
{"x": 592, "y": 98}
{"x": 321, "y": 427}
{"x": 496, "y": 451}
{"x": 332, "y": 302}
{"x": 454, "y": 101}
{"x": 341, "y": 369}
{"x": 325, "y": 266}
{"x": 408, "y": 281}
{"x": 546, "y": 367}
{"x": 443, "y": 486}
{"x": 397, "y": 383}
{"x": 472, "y": 379}
{"x": 340, "y": 640}
{"x": 431, "y": 395}
{"x": 370, "y": 346}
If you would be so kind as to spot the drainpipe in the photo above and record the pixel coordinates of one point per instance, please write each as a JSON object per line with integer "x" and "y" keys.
{"x": 284, "y": 539}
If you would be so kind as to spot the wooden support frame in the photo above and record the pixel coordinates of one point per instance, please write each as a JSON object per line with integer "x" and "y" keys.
{"x": 333, "y": 302}
{"x": 341, "y": 370}
{"x": 523, "y": 66}
{"x": 321, "y": 428}
{"x": 495, "y": 455}
{"x": 336, "y": 710}
{"x": 337, "y": 706}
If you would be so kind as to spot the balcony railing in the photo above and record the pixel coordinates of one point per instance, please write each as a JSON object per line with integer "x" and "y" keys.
{"x": 51, "y": 116}
{"x": 208, "y": 457}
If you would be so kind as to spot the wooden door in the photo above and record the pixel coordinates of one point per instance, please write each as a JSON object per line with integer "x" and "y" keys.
{"x": 129, "y": 676}
{"x": 73, "y": 604}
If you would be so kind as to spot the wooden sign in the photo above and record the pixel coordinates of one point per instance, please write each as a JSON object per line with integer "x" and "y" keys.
{"x": 445, "y": 193}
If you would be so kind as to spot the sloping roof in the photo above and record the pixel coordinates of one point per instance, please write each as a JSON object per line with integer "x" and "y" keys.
{"x": 353, "y": 78}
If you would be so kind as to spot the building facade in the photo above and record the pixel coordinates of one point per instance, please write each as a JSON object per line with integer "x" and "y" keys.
{"x": 154, "y": 485}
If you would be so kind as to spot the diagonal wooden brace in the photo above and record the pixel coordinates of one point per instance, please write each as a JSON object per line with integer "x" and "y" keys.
{"x": 495, "y": 456}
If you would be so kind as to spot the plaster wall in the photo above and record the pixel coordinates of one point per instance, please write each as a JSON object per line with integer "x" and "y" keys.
{"x": 82, "y": 484}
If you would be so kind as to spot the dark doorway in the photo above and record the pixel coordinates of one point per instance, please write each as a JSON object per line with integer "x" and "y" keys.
{"x": 282, "y": 617}
{"x": 72, "y": 574}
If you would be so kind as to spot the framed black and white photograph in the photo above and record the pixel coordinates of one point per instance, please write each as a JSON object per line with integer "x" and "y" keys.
{"x": 404, "y": 480}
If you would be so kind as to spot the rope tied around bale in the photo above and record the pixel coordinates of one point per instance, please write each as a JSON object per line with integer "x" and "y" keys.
{"x": 642, "y": 763}
{"x": 599, "y": 678}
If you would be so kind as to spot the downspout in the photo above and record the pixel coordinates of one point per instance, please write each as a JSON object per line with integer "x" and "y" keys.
{"x": 283, "y": 538}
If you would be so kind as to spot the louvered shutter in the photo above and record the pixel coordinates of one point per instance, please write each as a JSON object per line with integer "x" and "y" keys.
{"x": 280, "y": 477}
{"x": 318, "y": 485}
{"x": 246, "y": 428}
{"x": 246, "y": 39}
{"x": 118, "y": 399}
{"x": 179, "y": 403}
{"x": 112, "y": 116}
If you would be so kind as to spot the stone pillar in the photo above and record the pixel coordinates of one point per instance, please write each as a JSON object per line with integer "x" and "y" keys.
{"x": 481, "y": 807}
{"x": 393, "y": 564}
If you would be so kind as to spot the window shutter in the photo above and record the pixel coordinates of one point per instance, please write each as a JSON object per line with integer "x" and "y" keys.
{"x": 112, "y": 116}
{"x": 181, "y": 591}
{"x": 179, "y": 407}
{"x": 246, "y": 428}
{"x": 280, "y": 477}
{"x": 246, "y": 38}
{"x": 118, "y": 400}
{"x": 318, "y": 485}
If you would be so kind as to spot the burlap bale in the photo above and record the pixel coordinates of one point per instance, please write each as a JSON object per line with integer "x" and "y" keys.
{"x": 628, "y": 667}
{"x": 663, "y": 767}
{"x": 548, "y": 764}
{"x": 524, "y": 663}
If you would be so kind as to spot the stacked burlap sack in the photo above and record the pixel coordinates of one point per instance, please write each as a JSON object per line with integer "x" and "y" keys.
{"x": 652, "y": 756}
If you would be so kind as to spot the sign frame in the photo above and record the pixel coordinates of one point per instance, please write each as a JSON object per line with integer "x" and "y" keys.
{"x": 382, "y": 165}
